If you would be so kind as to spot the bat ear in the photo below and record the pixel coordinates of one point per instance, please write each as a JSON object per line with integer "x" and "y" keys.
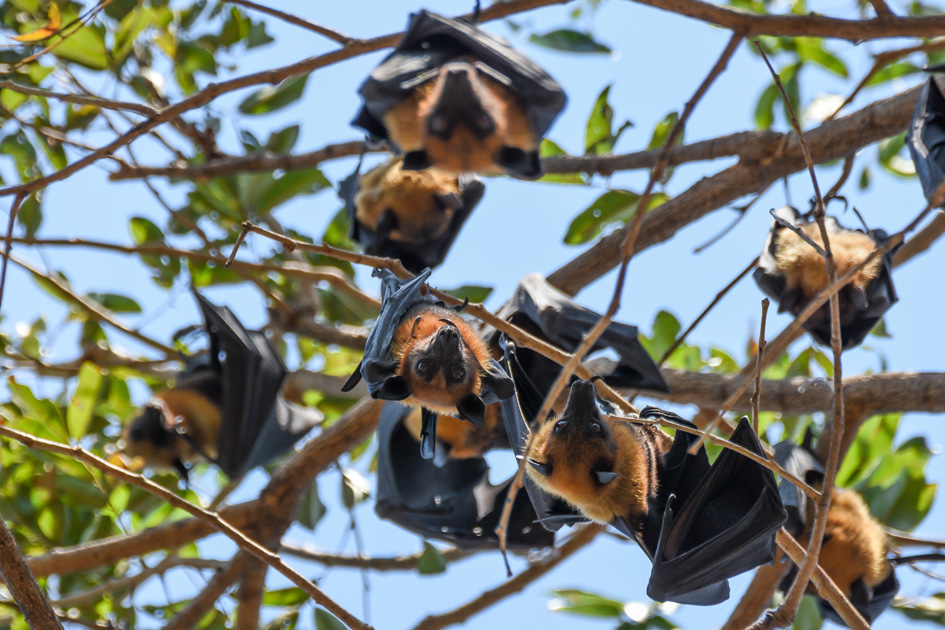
{"x": 604, "y": 477}
{"x": 500, "y": 384}
{"x": 376, "y": 371}
{"x": 789, "y": 300}
{"x": 523, "y": 164}
{"x": 416, "y": 161}
{"x": 394, "y": 388}
{"x": 543, "y": 469}
{"x": 857, "y": 296}
{"x": 471, "y": 408}
{"x": 353, "y": 380}
{"x": 449, "y": 201}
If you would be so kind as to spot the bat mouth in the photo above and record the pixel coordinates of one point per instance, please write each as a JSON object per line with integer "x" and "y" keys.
{"x": 459, "y": 104}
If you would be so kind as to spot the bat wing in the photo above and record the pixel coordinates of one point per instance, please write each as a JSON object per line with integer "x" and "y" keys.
{"x": 856, "y": 321}
{"x": 723, "y": 526}
{"x": 251, "y": 374}
{"x": 432, "y": 40}
{"x": 564, "y": 322}
{"x": 870, "y": 602}
{"x": 926, "y": 138}
{"x": 801, "y": 463}
{"x": 454, "y": 502}
{"x": 378, "y": 367}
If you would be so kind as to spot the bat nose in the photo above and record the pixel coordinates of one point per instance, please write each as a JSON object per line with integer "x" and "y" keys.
{"x": 459, "y": 103}
{"x": 582, "y": 401}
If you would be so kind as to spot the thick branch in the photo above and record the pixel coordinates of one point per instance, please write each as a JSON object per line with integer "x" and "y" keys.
{"x": 196, "y": 608}
{"x": 27, "y": 594}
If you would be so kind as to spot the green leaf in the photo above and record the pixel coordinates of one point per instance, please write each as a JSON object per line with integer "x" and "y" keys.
{"x": 586, "y": 604}
{"x": 83, "y": 400}
{"x": 431, "y": 562}
{"x": 85, "y": 47}
{"x": 662, "y": 131}
{"x": 116, "y": 303}
{"x": 599, "y": 137}
{"x": 272, "y": 98}
{"x": 808, "y": 615}
{"x": 131, "y": 25}
{"x": 292, "y": 596}
{"x": 927, "y": 609}
{"x": 665, "y": 330}
{"x": 30, "y": 215}
{"x": 550, "y": 149}
{"x": 764, "y": 110}
{"x": 614, "y": 206}
{"x": 312, "y": 509}
{"x": 879, "y": 330}
{"x": 144, "y": 232}
{"x": 324, "y": 620}
{"x": 569, "y": 41}
{"x": 812, "y": 50}
{"x": 893, "y": 71}
{"x": 475, "y": 293}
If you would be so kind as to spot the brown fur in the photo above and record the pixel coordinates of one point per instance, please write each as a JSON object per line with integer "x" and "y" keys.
{"x": 856, "y": 544}
{"x": 462, "y": 152}
{"x": 805, "y": 269}
{"x": 464, "y": 439}
{"x": 573, "y": 462}
{"x": 414, "y": 335}
{"x": 411, "y": 196}
{"x": 195, "y": 413}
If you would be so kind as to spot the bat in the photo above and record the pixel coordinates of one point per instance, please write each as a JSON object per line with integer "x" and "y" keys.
{"x": 413, "y": 216}
{"x": 458, "y": 98}
{"x": 544, "y": 311}
{"x": 225, "y": 407}
{"x": 424, "y": 354}
{"x": 453, "y": 501}
{"x": 926, "y": 136}
{"x": 460, "y": 439}
{"x": 698, "y": 524}
{"x": 791, "y": 272}
{"x": 855, "y": 548}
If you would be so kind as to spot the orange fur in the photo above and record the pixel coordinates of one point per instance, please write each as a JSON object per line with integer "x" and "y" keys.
{"x": 187, "y": 408}
{"x": 573, "y": 462}
{"x": 411, "y": 196}
{"x": 414, "y": 335}
{"x": 804, "y": 267}
{"x": 465, "y": 440}
{"x": 463, "y": 152}
{"x": 856, "y": 544}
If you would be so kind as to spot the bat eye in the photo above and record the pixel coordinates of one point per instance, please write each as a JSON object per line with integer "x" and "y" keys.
{"x": 459, "y": 374}
{"x": 424, "y": 367}
{"x": 560, "y": 425}
{"x": 595, "y": 427}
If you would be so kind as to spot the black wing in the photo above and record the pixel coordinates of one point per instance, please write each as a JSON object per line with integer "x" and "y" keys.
{"x": 542, "y": 309}
{"x": 432, "y": 40}
{"x": 454, "y": 502}
{"x": 716, "y": 524}
{"x": 254, "y": 429}
{"x": 855, "y": 321}
{"x": 926, "y": 137}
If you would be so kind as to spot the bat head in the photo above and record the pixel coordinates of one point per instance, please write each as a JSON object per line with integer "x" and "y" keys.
{"x": 461, "y": 102}
{"x": 149, "y": 438}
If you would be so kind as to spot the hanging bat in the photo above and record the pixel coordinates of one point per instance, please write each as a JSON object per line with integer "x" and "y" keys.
{"x": 699, "y": 524}
{"x": 413, "y": 216}
{"x": 792, "y": 272}
{"x": 458, "y": 98}
{"x": 460, "y": 439}
{"x": 453, "y": 501}
{"x": 225, "y": 408}
{"x": 855, "y": 548}
{"x": 926, "y": 136}
{"x": 424, "y": 354}
{"x": 544, "y": 311}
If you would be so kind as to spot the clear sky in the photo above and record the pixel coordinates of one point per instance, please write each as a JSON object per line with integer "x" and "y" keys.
{"x": 658, "y": 61}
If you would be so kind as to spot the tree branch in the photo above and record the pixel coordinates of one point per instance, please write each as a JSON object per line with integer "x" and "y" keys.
{"x": 396, "y": 563}
{"x": 31, "y": 600}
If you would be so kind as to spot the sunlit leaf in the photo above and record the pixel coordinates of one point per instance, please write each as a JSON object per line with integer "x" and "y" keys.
{"x": 569, "y": 41}
{"x": 82, "y": 405}
{"x": 431, "y": 562}
{"x": 476, "y": 294}
{"x": 324, "y": 620}
{"x": 273, "y": 98}
{"x": 586, "y": 604}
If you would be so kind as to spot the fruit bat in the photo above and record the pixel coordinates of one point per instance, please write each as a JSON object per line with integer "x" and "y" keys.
{"x": 225, "y": 407}
{"x": 792, "y": 272}
{"x": 544, "y": 311}
{"x": 454, "y": 501}
{"x": 413, "y": 216}
{"x": 926, "y": 136}
{"x": 854, "y": 547}
{"x": 459, "y": 439}
{"x": 424, "y": 354}
{"x": 458, "y": 98}
{"x": 699, "y": 524}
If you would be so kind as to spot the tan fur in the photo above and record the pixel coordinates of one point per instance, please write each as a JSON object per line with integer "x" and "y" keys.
{"x": 415, "y": 333}
{"x": 856, "y": 544}
{"x": 411, "y": 196}
{"x": 462, "y": 152}
{"x": 804, "y": 268}
{"x": 196, "y": 414}
{"x": 465, "y": 439}
{"x": 573, "y": 463}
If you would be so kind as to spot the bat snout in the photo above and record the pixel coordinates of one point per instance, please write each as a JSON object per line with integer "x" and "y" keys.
{"x": 581, "y": 412}
{"x": 459, "y": 104}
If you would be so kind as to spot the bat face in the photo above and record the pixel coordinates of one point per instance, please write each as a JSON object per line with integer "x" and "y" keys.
{"x": 464, "y": 121}
{"x": 596, "y": 465}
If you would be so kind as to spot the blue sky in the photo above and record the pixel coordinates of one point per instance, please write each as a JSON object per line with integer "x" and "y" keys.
{"x": 658, "y": 60}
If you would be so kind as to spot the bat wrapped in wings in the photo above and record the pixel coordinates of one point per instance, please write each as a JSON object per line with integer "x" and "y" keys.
{"x": 424, "y": 354}
{"x": 699, "y": 524}
{"x": 792, "y": 273}
{"x": 926, "y": 136}
{"x": 455, "y": 97}
{"x": 855, "y": 548}
{"x": 225, "y": 407}
{"x": 413, "y": 216}
{"x": 452, "y": 500}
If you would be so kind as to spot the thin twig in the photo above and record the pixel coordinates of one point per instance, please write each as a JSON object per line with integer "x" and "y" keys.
{"x": 396, "y": 563}
{"x": 95, "y": 101}
{"x": 756, "y": 396}
{"x": 8, "y": 244}
{"x": 331, "y": 34}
